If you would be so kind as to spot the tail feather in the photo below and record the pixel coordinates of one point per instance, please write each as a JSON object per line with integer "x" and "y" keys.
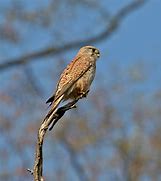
{"x": 54, "y": 106}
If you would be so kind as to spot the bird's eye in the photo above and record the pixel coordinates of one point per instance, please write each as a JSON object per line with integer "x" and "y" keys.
{"x": 93, "y": 50}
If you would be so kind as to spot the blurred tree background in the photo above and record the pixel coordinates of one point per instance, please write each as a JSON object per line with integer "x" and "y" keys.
{"x": 114, "y": 134}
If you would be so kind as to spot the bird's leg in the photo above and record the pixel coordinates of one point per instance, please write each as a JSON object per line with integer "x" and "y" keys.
{"x": 83, "y": 94}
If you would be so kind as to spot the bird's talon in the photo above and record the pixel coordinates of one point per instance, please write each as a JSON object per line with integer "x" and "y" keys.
{"x": 85, "y": 93}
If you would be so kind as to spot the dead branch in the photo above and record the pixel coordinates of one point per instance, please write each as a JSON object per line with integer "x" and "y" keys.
{"x": 55, "y": 116}
{"x": 111, "y": 27}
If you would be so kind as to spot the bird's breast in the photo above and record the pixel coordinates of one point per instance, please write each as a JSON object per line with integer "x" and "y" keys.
{"x": 82, "y": 85}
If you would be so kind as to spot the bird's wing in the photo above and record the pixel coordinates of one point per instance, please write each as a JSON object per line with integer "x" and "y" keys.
{"x": 76, "y": 69}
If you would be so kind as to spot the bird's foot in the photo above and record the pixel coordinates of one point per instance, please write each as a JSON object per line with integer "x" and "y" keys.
{"x": 83, "y": 94}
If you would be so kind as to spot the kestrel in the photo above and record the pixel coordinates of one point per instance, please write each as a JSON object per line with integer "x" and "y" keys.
{"x": 75, "y": 80}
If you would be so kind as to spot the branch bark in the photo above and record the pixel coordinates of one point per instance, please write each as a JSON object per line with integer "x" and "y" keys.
{"x": 55, "y": 116}
{"x": 111, "y": 27}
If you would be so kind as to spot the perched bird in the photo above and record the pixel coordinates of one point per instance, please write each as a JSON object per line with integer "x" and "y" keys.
{"x": 75, "y": 80}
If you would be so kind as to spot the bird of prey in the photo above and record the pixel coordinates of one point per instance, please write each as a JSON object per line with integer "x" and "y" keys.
{"x": 75, "y": 80}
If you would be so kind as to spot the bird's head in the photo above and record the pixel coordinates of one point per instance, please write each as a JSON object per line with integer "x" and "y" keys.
{"x": 90, "y": 50}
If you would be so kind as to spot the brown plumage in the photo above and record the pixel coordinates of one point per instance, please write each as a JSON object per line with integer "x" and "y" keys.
{"x": 76, "y": 78}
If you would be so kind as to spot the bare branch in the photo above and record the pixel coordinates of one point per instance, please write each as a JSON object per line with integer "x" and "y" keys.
{"x": 55, "y": 116}
{"x": 112, "y": 26}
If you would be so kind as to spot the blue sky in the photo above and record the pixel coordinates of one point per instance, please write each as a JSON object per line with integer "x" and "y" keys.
{"x": 136, "y": 46}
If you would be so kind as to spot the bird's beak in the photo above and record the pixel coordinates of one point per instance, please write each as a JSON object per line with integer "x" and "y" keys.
{"x": 97, "y": 53}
